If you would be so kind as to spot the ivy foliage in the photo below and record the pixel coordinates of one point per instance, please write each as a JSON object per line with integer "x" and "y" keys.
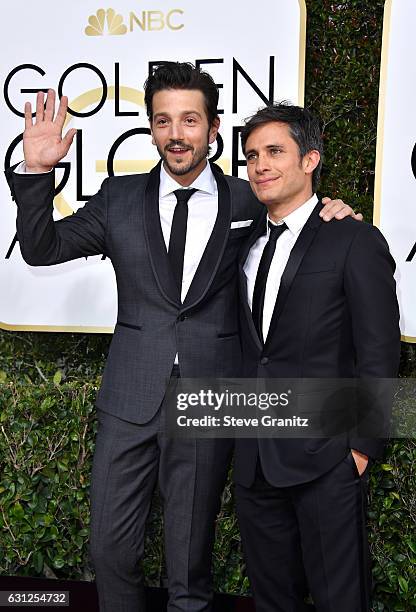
{"x": 48, "y": 382}
{"x": 342, "y": 76}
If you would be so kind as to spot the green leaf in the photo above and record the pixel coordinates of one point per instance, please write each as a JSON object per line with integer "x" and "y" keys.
{"x": 17, "y": 511}
{"x": 404, "y": 585}
{"x": 38, "y": 561}
{"x": 57, "y": 377}
{"x": 58, "y": 562}
{"x": 412, "y": 545}
{"x": 386, "y": 467}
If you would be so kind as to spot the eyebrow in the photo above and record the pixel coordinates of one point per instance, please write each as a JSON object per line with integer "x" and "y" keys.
{"x": 187, "y": 112}
{"x": 270, "y": 146}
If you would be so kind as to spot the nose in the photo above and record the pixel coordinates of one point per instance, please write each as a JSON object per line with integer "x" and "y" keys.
{"x": 262, "y": 164}
{"x": 176, "y": 130}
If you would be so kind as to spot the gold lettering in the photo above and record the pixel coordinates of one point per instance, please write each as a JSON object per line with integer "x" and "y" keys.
{"x": 155, "y": 20}
{"x": 170, "y": 25}
{"x": 135, "y": 20}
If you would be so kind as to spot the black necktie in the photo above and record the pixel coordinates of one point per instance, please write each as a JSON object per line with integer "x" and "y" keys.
{"x": 262, "y": 274}
{"x": 178, "y": 234}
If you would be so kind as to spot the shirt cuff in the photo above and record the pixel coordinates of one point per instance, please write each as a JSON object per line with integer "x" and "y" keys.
{"x": 21, "y": 169}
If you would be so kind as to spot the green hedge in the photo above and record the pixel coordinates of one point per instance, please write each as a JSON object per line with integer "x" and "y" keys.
{"x": 48, "y": 381}
{"x": 46, "y": 445}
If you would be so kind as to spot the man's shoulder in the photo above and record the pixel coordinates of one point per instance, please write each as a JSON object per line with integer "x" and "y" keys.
{"x": 350, "y": 227}
{"x": 121, "y": 186}
{"x": 353, "y": 235}
{"x": 235, "y": 182}
{"x": 128, "y": 180}
{"x": 243, "y": 196}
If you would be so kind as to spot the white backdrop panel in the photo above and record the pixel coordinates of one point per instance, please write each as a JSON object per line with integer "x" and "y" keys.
{"x": 395, "y": 201}
{"x": 238, "y": 39}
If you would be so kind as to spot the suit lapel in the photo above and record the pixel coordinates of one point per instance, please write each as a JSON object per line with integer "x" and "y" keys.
{"x": 255, "y": 235}
{"x": 258, "y": 231}
{"x": 214, "y": 250}
{"x": 154, "y": 239}
{"x": 296, "y": 256}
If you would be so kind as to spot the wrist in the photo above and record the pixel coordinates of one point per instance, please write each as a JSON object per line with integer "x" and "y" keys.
{"x": 37, "y": 169}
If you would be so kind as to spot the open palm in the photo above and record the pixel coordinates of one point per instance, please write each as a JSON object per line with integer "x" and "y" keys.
{"x": 43, "y": 144}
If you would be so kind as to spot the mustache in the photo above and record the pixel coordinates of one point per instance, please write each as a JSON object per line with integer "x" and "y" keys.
{"x": 178, "y": 143}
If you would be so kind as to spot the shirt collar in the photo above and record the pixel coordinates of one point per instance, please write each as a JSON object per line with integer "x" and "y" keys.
{"x": 204, "y": 182}
{"x": 296, "y": 219}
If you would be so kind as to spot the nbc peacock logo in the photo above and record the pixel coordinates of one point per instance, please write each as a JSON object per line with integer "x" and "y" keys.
{"x": 101, "y": 19}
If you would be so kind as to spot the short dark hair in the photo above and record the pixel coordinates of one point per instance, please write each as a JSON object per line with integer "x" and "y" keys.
{"x": 304, "y": 128}
{"x": 182, "y": 75}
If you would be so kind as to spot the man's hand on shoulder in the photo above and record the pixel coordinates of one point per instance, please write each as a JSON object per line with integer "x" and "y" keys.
{"x": 336, "y": 209}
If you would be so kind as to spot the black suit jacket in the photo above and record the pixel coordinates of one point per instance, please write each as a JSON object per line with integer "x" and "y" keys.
{"x": 122, "y": 221}
{"x": 336, "y": 316}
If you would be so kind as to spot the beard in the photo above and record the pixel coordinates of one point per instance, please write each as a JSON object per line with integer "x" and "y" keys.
{"x": 179, "y": 169}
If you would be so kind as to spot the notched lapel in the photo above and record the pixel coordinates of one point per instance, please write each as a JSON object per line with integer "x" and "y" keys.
{"x": 214, "y": 250}
{"x": 154, "y": 239}
{"x": 255, "y": 235}
{"x": 296, "y": 256}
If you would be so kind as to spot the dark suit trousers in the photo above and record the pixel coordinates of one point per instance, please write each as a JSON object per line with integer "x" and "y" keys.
{"x": 307, "y": 538}
{"x": 129, "y": 461}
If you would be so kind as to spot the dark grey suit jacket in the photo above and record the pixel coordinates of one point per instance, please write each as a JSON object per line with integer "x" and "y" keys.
{"x": 122, "y": 221}
{"x": 336, "y": 316}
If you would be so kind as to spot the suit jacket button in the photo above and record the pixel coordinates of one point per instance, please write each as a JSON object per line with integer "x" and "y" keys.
{"x": 264, "y": 360}
{"x": 182, "y": 317}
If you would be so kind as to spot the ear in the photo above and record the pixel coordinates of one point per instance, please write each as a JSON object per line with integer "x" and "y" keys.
{"x": 213, "y": 130}
{"x": 151, "y": 132}
{"x": 310, "y": 161}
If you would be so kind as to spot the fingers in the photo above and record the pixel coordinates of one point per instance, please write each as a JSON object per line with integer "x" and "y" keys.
{"x": 344, "y": 211}
{"x": 68, "y": 138}
{"x": 338, "y": 210}
{"x": 61, "y": 114}
{"x": 39, "y": 107}
{"x": 28, "y": 115}
{"x": 332, "y": 208}
{"x": 50, "y": 105}
{"x": 325, "y": 213}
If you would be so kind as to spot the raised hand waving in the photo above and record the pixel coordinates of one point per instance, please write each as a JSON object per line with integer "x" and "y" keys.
{"x": 43, "y": 144}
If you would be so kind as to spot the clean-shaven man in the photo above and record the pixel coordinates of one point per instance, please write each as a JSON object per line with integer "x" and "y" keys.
{"x": 172, "y": 236}
{"x": 318, "y": 301}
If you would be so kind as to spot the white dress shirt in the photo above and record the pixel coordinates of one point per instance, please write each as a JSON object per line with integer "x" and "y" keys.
{"x": 285, "y": 243}
{"x": 202, "y": 214}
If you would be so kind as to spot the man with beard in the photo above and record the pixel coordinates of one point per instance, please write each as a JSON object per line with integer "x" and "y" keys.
{"x": 173, "y": 236}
